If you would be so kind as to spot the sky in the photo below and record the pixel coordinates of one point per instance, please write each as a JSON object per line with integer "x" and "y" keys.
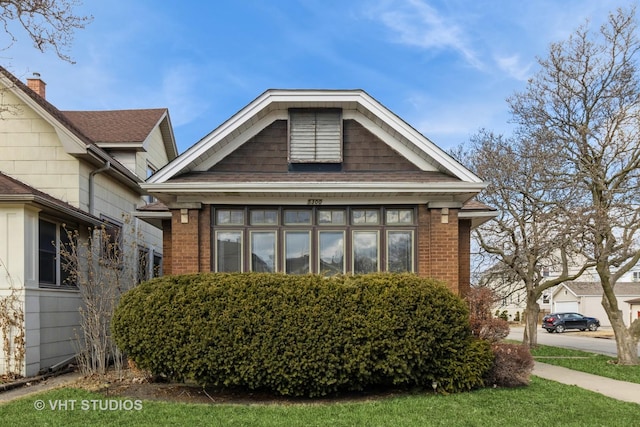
{"x": 444, "y": 66}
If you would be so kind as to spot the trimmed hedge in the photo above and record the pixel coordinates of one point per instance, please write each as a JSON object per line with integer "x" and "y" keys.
{"x": 302, "y": 335}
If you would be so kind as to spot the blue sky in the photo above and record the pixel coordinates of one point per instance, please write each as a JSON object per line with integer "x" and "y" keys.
{"x": 444, "y": 66}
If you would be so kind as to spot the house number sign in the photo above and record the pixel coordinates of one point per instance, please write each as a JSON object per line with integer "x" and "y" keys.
{"x": 314, "y": 201}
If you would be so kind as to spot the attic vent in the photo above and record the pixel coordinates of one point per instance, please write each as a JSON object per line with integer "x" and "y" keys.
{"x": 315, "y": 136}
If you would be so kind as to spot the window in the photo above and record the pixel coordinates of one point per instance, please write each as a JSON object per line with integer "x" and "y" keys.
{"x": 323, "y": 239}
{"x": 331, "y": 217}
{"x": 315, "y": 136}
{"x": 229, "y": 217}
{"x": 229, "y": 251}
{"x": 636, "y": 276}
{"x": 331, "y": 252}
{"x": 143, "y": 264}
{"x": 157, "y": 265}
{"x": 297, "y": 217}
{"x": 263, "y": 251}
{"x": 150, "y": 171}
{"x": 546, "y": 272}
{"x": 111, "y": 242}
{"x": 297, "y": 250}
{"x": 52, "y": 268}
{"x": 399, "y": 251}
{"x": 264, "y": 217}
{"x": 365, "y": 216}
{"x": 365, "y": 251}
{"x": 399, "y": 216}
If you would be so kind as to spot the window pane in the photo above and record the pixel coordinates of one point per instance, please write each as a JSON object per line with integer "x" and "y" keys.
{"x": 297, "y": 248}
{"x": 263, "y": 251}
{"x": 229, "y": 217}
{"x": 331, "y": 217}
{"x": 47, "y": 252}
{"x": 264, "y": 217}
{"x": 399, "y": 251}
{"x": 365, "y": 251}
{"x": 331, "y": 252}
{"x": 400, "y": 216}
{"x": 229, "y": 251}
{"x": 364, "y": 216}
{"x": 292, "y": 217}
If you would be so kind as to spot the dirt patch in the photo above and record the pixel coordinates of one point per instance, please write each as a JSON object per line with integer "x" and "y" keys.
{"x": 129, "y": 384}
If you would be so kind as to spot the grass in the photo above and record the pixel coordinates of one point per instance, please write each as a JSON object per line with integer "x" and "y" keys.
{"x": 592, "y": 363}
{"x": 530, "y": 405}
{"x": 542, "y": 403}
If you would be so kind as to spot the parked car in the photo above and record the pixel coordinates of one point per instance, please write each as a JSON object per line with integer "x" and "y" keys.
{"x": 559, "y": 322}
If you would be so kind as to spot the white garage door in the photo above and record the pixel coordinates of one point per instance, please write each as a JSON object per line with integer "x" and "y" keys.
{"x": 566, "y": 306}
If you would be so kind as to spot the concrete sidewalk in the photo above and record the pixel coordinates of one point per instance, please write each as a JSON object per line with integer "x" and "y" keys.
{"x": 620, "y": 390}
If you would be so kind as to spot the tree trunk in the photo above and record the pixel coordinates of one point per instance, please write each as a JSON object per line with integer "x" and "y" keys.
{"x": 626, "y": 341}
{"x": 532, "y": 311}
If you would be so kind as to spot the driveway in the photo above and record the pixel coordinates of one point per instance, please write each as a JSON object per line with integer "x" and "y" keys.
{"x": 594, "y": 342}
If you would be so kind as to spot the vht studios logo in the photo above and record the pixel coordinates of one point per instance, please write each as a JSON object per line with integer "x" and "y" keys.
{"x": 88, "y": 405}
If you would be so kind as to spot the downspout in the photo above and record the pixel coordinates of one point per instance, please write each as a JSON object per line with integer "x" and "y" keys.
{"x": 105, "y": 168}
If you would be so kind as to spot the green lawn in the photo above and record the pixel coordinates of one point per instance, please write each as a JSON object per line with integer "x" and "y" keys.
{"x": 543, "y": 403}
{"x": 596, "y": 364}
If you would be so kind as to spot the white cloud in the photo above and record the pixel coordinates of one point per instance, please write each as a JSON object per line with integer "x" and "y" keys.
{"x": 513, "y": 66}
{"x": 416, "y": 23}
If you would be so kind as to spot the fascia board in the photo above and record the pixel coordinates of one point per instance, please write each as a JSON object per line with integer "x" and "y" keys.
{"x": 422, "y": 142}
{"x": 315, "y": 187}
{"x": 71, "y": 143}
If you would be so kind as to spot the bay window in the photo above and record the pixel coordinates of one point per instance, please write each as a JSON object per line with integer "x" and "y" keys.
{"x": 326, "y": 240}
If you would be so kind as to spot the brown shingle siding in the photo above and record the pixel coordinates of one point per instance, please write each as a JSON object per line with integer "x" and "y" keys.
{"x": 363, "y": 151}
{"x": 265, "y": 152}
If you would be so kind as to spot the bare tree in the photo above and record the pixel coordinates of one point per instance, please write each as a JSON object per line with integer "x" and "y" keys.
{"x": 50, "y": 24}
{"x": 586, "y": 99}
{"x": 534, "y": 229}
{"x": 103, "y": 265}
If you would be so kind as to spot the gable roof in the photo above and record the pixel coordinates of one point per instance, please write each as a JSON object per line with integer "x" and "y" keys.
{"x": 275, "y": 103}
{"x": 432, "y": 176}
{"x": 74, "y": 140}
{"x": 124, "y": 128}
{"x": 77, "y": 131}
{"x": 15, "y": 191}
{"x": 581, "y": 289}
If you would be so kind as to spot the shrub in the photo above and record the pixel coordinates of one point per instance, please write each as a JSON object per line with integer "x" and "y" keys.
{"x": 483, "y": 325}
{"x": 301, "y": 335}
{"x": 512, "y": 365}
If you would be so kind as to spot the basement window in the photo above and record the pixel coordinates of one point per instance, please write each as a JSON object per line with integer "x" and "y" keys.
{"x": 315, "y": 136}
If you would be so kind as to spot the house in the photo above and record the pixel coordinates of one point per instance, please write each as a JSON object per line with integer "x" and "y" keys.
{"x": 67, "y": 170}
{"x": 317, "y": 181}
{"x": 583, "y": 295}
{"x": 586, "y": 298}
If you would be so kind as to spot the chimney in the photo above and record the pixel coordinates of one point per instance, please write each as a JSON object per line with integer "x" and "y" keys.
{"x": 36, "y": 84}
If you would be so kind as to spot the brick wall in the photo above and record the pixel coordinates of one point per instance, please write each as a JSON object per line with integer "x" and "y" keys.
{"x": 204, "y": 243}
{"x": 438, "y": 246}
{"x": 464, "y": 257}
{"x": 167, "y": 259}
{"x": 185, "y": 257}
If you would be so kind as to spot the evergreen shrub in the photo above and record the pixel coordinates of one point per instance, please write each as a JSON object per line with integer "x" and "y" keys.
{"x": 302, "y": 335}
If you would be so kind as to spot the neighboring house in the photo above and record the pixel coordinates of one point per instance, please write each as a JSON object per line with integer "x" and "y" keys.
{"x": 76, "y": 169}
{"x": 317, "y": 181}
{"x": 583, "y": 296}
{"x": 586, "y": 298}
